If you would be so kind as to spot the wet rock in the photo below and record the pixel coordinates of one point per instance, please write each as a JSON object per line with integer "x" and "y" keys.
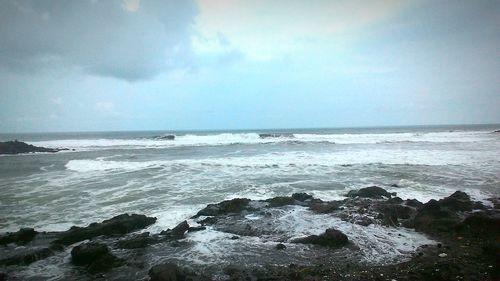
{"x": 280, "y": 246}
{"x": 96, "y": 256}
{"x": 391, "y": 214}
{"x": 482, "y": 224}
{"x": 165, "y": 137}
{"x": 301, "y": 196}
{"x": 178, "y": 231}
{"x": 373, "y": 192}
{"x": 196, "y": 228}
{"x": 413, "y": 203}
{"x": 21, "y": 237}
{"x": 3, "y": 276}
{"x": 330, "y": 238}
{"x": 172, "y": 272}
{"x": 236, "y": 205}
{"x": 432, "y": 218}
{"x": 16, "y": 147}
{"x": 118, "y": 225}
{"x": 281, "y": 201}
{"x": 140, "y": 241}
{"x": 324, "y": 207}
{"x": 27, "y": 256}
{"x": 458, "y": 201}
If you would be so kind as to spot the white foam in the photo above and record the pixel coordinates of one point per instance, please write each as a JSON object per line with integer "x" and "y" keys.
{"x": 254, "y": 138}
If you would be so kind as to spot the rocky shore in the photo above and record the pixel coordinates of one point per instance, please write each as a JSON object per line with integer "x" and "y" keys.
{"x": 18, "y": 147}
{"x": 465, "y": 244}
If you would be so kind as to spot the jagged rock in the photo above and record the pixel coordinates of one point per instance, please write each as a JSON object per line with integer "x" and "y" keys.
{"x": 280, "y": 246}
{"x": 481, "y": 224}
{"x": 281, "y": 201}
{"x": 236, "y": 205}
{"x": 178, "y": 231}
{"x": 324, "y": 207}
{"x": 140, "y": 241}
{"x": 301, "y": 196}
{"x": 196, "y": 228}
{"x": 96, "y": 256}
{"x": 167, "y": 272}
{"x": 330, "y": 238}
{"x": 21, "y": 237}
{"x": 413, "y": 203}
{"x": 3, "y": 276}
{"x": 432, "y": 218}
{"x": 165, "y": 137}
{"x": 16, "y": 147}
{"x": 28, "y": 256}
{"x": 392, "y": 213}
{"x": 458, "y": 201}
{"x": 119, "y": 225}
{"x": 373, "y": 192}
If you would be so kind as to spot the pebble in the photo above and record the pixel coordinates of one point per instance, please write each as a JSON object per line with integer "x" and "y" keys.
{"x": 442, "y": 255}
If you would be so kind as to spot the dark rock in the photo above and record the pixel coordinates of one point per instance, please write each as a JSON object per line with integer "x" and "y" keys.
{"x": 118, "y": 225}
{"x": 3, "y": 276}
{"x": 281, "y": 201}
{"x": 165, "y": 137}
{"x": 301, "y": 196}
{"x": 140, "y": 241}
{"x": 196, "y": 228}
{"x": 432, "y": 218}
{"x": 330, "y": 238}
{"x": 373, "y": 192}
{"x": 394, "y": 185}
{"x": 458, "y": 201}
{"x": 236, "y": 205}
{"x": 166, "y": 272}
{"x": 496, "y": 132}
{"x": 481, "y": 224}
{"x": 21, "y": 237}
{"x": 16, "y": 147}
{"x": 324, "y": 207}
{"x": 28, "y": 256}
{"x": 392, "y": 213}
{"x": 235, "y": 237}
{"x": 270, "y": 136}
{"x": 96, "y": 256}
{"x": 413, "y": 203}
{"x": 280, "y": 246}
{"x": 178, "y": 231}
{"x": 395, "y": 200}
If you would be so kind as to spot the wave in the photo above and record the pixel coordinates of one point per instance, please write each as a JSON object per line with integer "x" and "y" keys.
{"x": 167, "y": 141}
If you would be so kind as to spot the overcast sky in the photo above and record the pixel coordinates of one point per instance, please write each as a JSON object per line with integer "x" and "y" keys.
{"x": 232, "y": 64}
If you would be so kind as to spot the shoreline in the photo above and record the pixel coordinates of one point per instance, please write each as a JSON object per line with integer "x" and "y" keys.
{"x": 466, "y": 247}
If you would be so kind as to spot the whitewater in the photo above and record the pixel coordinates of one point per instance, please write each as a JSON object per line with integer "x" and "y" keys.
{"x": 109, "y": 173}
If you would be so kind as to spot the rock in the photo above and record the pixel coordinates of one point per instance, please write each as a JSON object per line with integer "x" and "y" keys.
{"x": 16, "y": 147}
{"x": 140, "y": 241}
{"x": 394, "y": 185}
{"x": 96, "y": 256}
{"x": 234, "y": 237}
{"x": 373, "y": 192}
{"x": 118, "y": 225}
{"x": 392, "y": 213}
{"x": 330, "y": 238}
{"x": 196, "y": 228}
{"x": 432, "y": 218}
{"x": 178, "y": 231}
{"x": 166, "y": 272}
{"x": 280, "y": 246}
{"x": 458, "y": 201}
{"x": 3, "y": 276}
{"x": 165, "y": 137}
{"x": 496, "y": 132}
{"x": 21, "y": 237}
{"x": 413, "y": 203}
{"x": 281, "y": 201}
{"x": 236, "y": 205}
{"x": 301, "y": 196}
{"x": 270, "y": 136}
{"x": 481, "y": 224}
{"x": 27, "y": 256}
{"x": 324, "y": 207}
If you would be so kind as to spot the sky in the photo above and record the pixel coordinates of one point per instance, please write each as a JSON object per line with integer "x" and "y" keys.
{"x": 111, "y": 65}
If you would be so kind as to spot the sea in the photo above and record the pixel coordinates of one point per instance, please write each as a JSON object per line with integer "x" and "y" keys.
{"x": 104, "y": 174}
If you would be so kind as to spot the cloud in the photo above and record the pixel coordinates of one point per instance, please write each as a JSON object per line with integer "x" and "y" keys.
{"x": 263, "y": 29}
{"x": 129, "y": 40}
{"x": 106, "y": 108}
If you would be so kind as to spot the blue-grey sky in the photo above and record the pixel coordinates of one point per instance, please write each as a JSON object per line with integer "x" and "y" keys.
{"x": 237, "y": 64}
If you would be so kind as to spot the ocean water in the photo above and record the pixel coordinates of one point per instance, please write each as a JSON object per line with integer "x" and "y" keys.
{"x": 110, "y": 173}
